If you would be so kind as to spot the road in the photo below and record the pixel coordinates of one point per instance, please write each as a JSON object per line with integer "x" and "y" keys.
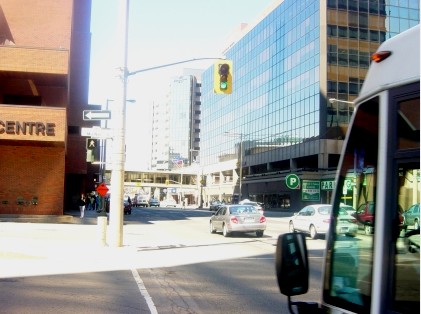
{"x": 172, "y": 264}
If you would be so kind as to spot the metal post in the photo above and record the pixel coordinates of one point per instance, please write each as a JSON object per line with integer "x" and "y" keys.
{"x": 117, "y": 172}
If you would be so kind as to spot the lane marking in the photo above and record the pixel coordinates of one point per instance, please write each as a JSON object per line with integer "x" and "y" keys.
{"x": 144, "y": 292}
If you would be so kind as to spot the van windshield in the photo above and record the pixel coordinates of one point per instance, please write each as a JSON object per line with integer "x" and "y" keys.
{"x": 349, "y": 264}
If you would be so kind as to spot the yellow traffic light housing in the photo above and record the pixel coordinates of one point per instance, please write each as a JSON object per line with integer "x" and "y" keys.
{"x": 222, "y": 77}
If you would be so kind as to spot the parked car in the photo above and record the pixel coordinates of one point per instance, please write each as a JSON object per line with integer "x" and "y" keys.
{"x": 346, "y": 223}
{"x": 214, "y": 205}
{"x": 349, "y": 209}
{"x": 412, "y": 216}
{"x": 237, "y": 218}
{"x": 258, "y": 206}
{"x": 127, "y": 207}
{"x": 365, "y": 217}
{"x": 153, "y": 202}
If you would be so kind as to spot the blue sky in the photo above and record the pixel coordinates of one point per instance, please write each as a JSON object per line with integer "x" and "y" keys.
{"x": 160, "y": 32}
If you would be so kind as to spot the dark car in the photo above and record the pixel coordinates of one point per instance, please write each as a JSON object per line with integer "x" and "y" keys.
{"x": 214, "y": 205}
{"x": 153, "y": 202}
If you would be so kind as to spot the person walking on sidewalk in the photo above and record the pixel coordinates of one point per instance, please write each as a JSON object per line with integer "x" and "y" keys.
{"x": 82, "y": 203}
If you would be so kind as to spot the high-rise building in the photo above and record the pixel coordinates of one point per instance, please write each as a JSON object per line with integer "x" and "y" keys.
{"x": 44, "y": 82}
{"x": 278, "y": 137}
{"x": 175, "y": 125}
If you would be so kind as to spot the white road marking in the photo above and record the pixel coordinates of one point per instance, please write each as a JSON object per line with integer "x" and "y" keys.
{"x": 144, "y": 292}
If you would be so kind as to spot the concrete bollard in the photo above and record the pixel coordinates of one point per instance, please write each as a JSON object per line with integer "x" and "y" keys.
{"x": 102, "y": 230}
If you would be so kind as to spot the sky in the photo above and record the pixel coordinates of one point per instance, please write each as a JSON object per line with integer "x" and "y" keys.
{"x": 160, "y": 32}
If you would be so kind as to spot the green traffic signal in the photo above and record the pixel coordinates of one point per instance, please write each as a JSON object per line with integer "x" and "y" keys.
{"x": 223, "y": 76}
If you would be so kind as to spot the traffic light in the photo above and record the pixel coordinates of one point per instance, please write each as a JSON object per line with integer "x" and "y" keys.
{"x": 222, "y": 77}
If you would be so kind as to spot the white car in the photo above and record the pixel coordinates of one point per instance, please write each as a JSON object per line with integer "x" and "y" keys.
{"x": 170, "y": 203}
{"x": 315, "y": 220}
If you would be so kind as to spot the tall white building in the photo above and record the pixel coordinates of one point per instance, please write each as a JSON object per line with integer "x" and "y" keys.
{"x": 176, "y": 124}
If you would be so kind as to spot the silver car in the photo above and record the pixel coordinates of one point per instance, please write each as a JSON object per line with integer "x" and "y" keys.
{"x": 237, "y": 218}
{"x": 315, "y": 220}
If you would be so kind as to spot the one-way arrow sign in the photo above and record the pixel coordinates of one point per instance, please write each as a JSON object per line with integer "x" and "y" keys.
{"x": 96, "y": 114}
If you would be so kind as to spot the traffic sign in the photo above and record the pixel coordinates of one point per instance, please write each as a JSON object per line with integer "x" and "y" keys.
{"x": 96, "y": 115}
{"x": 292, "y": 181}
{"x": 97, "y": 132}
{"x": 102, "y": 189}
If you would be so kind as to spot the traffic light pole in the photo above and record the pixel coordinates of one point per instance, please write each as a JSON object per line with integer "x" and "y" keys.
{"x": 119, "y": 121}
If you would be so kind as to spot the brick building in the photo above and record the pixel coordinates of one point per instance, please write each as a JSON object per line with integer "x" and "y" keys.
{"x": 44, "y": 83}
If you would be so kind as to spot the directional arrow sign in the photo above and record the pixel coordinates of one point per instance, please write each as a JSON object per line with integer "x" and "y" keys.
{"x": 96, "y": 115}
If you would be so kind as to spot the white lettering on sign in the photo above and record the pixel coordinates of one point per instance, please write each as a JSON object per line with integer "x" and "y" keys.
{"x": 328, "y": 185}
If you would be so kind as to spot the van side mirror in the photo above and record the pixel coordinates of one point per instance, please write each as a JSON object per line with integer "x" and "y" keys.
{"x": 291, "y": 260}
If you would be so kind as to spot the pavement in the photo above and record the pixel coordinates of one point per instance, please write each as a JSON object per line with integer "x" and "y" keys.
{"x": 40, "y": 245}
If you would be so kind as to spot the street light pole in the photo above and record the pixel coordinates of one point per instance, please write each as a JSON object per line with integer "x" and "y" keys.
{"x": 117, "y": 171}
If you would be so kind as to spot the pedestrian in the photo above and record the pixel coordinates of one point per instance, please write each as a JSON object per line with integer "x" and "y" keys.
{"x": 82, "y": 203}
{"x": 92, "y": 201}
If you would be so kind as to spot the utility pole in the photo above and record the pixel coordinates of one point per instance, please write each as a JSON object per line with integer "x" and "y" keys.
{"x": 118, "y": 152}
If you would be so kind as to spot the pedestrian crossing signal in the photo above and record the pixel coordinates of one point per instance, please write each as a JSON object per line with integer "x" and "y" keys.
{"x": 222, "y": 77}
{"x": 92, "y": 150}
{"x": 92, "y": 143}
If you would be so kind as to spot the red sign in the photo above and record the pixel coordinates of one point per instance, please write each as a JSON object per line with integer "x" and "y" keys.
{"x": 102, "y": 189}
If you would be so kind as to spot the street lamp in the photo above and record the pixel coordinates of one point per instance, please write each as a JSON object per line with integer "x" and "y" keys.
{"x": 240, "y": 136}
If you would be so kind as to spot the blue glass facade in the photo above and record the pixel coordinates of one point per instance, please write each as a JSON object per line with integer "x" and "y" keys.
{"x": 285, "y": 70}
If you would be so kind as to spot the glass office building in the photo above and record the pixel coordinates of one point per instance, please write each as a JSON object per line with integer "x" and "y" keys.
{"x": 295, "y": 75}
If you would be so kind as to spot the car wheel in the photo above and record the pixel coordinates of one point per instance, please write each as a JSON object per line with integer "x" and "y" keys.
{"x": 416, "y": 225}
{"x": 291, "y": 227}
{"x": 225, "y": 231}
{"x": 313, "y": 232}
{"x": 211, "y": 228}
{"x": 367, "y": 230}
{"x": 259, "y": 233}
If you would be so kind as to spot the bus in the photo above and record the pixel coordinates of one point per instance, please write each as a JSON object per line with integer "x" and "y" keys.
{"x": 378, "y": 269}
